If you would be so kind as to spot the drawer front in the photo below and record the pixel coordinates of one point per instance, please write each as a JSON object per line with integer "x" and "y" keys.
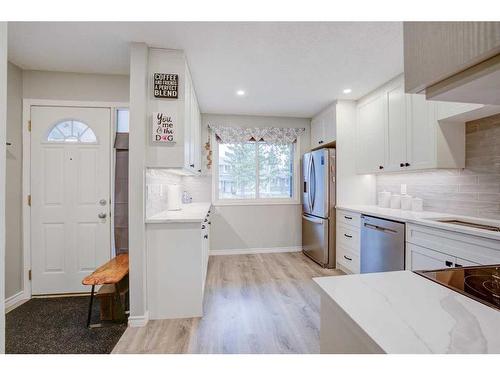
{"x": 475, "y": 249}
{"x": 348, "y": 237}
{"x": 348, "y": 259}
{"x": 349, "y": 218}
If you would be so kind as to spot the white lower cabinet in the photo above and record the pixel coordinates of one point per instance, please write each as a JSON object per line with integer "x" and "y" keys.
{"x": 348, "y": 239}
{"x": 177, "y": 261}
{"x": 430, "y": 248}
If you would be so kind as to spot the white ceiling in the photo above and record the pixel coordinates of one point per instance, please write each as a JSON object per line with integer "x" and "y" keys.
{"x": 288, "y": 69}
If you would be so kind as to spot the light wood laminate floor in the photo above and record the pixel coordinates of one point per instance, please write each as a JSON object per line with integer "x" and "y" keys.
{"x": 259, "y": 303}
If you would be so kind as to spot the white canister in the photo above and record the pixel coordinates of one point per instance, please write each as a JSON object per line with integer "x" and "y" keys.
{"x": 174, "y": 197}
{"x": 406, "y": 202}
{"x": 417, "y": 204}
{"x": 396, "y": 201}
{"x": 384, "y": 199}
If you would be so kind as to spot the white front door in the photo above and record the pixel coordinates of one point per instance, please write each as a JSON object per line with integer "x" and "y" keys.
{"x": 70, "y": 196}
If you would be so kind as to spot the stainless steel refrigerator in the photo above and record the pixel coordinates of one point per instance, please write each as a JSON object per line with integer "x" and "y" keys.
{"x": 318, "y": 206}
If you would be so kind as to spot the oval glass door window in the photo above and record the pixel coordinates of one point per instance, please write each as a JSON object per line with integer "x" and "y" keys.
{"x": 71, "y": 131}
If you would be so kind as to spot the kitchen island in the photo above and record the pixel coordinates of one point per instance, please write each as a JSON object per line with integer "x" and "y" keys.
{"x": 402, "y": 312}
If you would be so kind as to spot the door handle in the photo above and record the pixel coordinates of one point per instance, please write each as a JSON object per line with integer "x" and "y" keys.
{"x": 348, "y": 236}
{"x": 346, "y": 257}
{"x": 102, "y": 215}
{"x": 381, "y": 229}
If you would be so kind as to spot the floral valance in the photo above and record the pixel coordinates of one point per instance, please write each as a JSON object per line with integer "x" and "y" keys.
{"x": 228, "y": 134}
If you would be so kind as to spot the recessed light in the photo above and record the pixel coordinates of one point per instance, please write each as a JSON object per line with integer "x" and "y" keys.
{"x": 240, "y": 92}
{"x": 347, "y": 91}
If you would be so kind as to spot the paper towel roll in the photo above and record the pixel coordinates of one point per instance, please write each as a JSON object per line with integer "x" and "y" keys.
{"x": 173, "y": 197}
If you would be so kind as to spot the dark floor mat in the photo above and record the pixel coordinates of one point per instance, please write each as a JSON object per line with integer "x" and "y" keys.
{"x": 57, "y": 325}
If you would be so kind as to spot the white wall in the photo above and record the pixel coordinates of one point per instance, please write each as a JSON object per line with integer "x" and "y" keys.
{"x": 256, "y": 226}
{"x": 3, "y": 125}
{"x": 137, "y": 151}
{"x": 75, "y": 86}
{"x": 13, "y": 189}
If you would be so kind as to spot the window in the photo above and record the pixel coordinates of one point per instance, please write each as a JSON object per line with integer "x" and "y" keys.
{"x": 71, "y": 131}
{"x": 122, "y": 120}
{"x": 255, "y": 171}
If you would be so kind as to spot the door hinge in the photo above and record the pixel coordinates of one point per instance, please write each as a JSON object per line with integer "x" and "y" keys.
{"x": 29, "y": 200}
{"x": 29, "y": 275}
{"x": 29, "y": 125}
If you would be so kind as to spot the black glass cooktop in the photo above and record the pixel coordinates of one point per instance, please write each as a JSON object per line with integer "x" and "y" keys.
{"x": 481, "y": 283}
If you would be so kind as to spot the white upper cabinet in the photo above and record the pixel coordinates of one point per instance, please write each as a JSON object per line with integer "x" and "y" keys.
{"x": 324, "y": 127}
{"x": 396, "y": 128}
{"x": 370, "y": 134}
{"x": 420, "y": 132}
{"x": 192, "y": 128}
{"x": 401, "y": 132}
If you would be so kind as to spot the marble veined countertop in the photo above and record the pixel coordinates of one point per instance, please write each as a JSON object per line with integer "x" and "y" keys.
{"x": 403, "y": 312}
{"x": 189, "y": 213}
{"x": 426, "y": 218}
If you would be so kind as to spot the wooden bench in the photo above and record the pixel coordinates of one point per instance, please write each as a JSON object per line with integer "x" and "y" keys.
{"x": 110, "y": 276}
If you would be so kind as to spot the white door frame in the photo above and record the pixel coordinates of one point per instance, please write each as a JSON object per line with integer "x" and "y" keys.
{"x": 26, "y": 174}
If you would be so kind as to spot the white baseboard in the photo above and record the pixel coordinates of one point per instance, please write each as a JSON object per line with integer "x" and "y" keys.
{"x": 15, "y": 301}
{"x": 138, "y": 320}
{"x": 257, "y": 250}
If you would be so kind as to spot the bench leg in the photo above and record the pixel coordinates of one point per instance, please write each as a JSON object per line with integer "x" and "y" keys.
{"x": 90, "y": 306}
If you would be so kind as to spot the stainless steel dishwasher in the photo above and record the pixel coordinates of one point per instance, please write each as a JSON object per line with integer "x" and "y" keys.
{"x": 382, "y": 245}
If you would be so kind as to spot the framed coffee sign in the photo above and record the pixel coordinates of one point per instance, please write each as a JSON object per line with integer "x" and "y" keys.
{"x": 166, "y": 85}
{"x": 163, "y": 130}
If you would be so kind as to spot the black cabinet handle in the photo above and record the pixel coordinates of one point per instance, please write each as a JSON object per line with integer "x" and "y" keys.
{"x": 199, "y": 170}
{"x": 448, "y": 263}
{"x": 348, "y": 236}
{"x": 402, "y": 165}
{"x": 202, "y": 227}
{"x": 380, "y": 167}
{"x": 348, "y": 217}
{"x": 209, "y": 223}
{"x": 345, "y": 256}
{"x": 407, "y": 164}
{"x": 191, "y": 165}
{"x": 205, "y": 236}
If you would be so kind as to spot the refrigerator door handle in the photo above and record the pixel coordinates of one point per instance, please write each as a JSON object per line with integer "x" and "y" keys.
{"x": 312, "y": 186}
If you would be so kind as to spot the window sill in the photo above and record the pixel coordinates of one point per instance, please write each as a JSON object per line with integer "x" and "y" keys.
{"x": 254, "y": 202}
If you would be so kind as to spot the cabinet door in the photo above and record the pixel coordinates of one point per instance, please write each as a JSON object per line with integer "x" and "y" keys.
{"x": 370, "y": 134}
{"x": 421, "y": 132}
{"x": 330, "y": 125}
{"x": 196, "y": 130}
{"x": 396, "y": 129}
{"x": 459, "y": 262}
{"x": 316, "y": 132}
{"x": 423, "y": 259}
{"x": 188, "y": 118}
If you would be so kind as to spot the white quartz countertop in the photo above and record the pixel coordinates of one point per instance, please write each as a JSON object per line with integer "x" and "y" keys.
{"x": 189, "y": 213}
{"x": 426, "y": 218}
{"x": 406, "y": 313}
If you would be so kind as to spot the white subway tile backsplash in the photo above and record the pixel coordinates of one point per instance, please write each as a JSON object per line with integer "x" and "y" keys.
{"x": 157, "y": 179}
{"x": 473, "y": 191}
